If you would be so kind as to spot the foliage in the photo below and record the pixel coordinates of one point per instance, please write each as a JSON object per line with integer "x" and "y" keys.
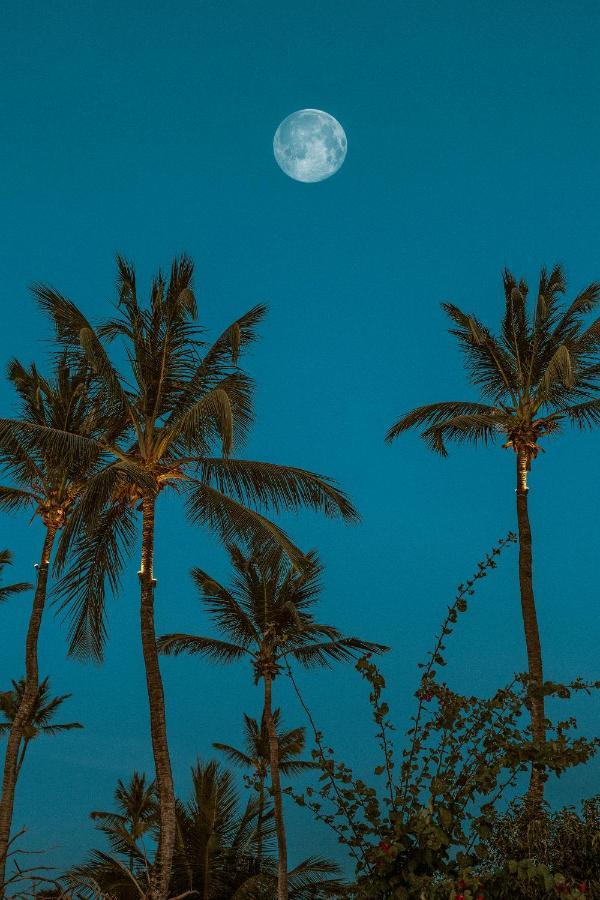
{"x": 431, "y": 821}
{"x": 42, "y": 715}
{"x": 267, "y": 616}
{"x": 9, "y": 590}
{"x": 179, "y": 410}
{"x": 255, "y": 755}
{"x": 562, "y": 841}
{"x": 541, "y": 371}
{"x": 215, "y": 855}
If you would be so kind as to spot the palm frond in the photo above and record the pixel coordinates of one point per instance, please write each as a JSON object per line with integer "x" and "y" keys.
{"x": 489, "y": 364}
{"x": 15, "y": 498}
{"x": 9, "y": 590}
{"x": 235, "y": 338}
{"x": 235, "y": 756}
{"x": 224, "y": 608}
{"x": 51, "y": 440}
{"x": 58, "y": 729}
{"x": 434, "y": 413}
{"x": 233, "y": 521}
{"x": 296, "y": 767}
{"x": 549, "y": 288}
{"x": 515, "y": 327}
{"x": 218, "y": 651}
{"x": 475, "y": 429}
{"x": 275, "y": 486}
{"x": 583, "y": 415}
{"x": 310, "y": 879}
{"x": 209, "y": 418}
{"x": 559, "y": 370}
{"x": 326, "y": 652}
{"x": 97, "y": 559}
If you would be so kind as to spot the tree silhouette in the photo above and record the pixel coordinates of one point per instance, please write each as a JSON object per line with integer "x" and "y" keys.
{"x": 183, "y": 403}
{"x": 266, "y": 617}
{"x": 541, "y": 371}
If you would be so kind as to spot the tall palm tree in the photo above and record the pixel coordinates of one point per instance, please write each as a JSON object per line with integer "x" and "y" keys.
{"x": 188, "y": 406}
{"x": 255, "y": 757}
{"x": 266, "y": 617}
{"x": 49, "y": 481}
{"x": 541, "y": 371}
{"x": 41, "y": 716}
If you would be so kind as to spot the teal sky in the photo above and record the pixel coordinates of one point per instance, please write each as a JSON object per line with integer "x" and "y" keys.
{"x": 473, "y": 144}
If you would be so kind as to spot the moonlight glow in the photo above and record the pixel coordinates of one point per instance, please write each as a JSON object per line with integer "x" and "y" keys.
{"x": 310, "y": 145}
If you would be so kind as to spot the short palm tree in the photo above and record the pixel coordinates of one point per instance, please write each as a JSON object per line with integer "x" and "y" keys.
{"x": 40, "y": 721}
{"x": 135, "y": 818}
{"x": 49, "y": 482}
{"x": 41, "y": 716}
{"x": 255, "y": 757}
{"x": 266, "y": 617}
{"x": 541, "y": 371}
{"x": 215, "y": 854}
{"x": 187, "y": 407}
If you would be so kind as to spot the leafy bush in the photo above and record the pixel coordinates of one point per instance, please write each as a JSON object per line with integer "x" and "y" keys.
{"x": 427, "y": 830}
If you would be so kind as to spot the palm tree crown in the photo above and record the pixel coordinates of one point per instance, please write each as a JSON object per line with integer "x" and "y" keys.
{"x": 135, "y": 816}
{"x": 42, "y": 715}
{"x": 50, "y": 479}
{"x": 266, "y": 616}
{"x": 255, "y": 755}
{"x": 540, "y": 371}
{"x": 179, "y": 413}
{"x": 40, "y": 719}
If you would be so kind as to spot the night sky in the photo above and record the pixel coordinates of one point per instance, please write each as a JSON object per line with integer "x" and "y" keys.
{"x": 473, "y": 144}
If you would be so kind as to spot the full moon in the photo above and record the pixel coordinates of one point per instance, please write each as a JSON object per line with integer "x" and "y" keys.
{"x": 310, "y": 145}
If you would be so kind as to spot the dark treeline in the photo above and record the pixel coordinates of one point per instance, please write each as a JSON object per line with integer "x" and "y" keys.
{"x": 90, "y": 450}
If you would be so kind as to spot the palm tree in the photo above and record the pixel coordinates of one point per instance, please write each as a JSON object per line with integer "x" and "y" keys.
{"x": 541, "y": 371}
{"x": 266, "y": 618}
{"x": 188, "y": 406}
{"x": 40, "y": 718}
{"x": 136, "y": 816}
{"x": 216, "y": 849}
{"x": 50, "y": 482}
{"x": 255, "y": 757}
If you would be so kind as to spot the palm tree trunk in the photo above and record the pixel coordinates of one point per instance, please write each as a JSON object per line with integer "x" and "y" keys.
{"x": 261, "y": 815}
{"x": 22, "y": 755}
{"x": 535, "y": 792}
{"x": 158, "y": 726}
{"x": 11, "y": 759}
{"x": 282, "y": 877}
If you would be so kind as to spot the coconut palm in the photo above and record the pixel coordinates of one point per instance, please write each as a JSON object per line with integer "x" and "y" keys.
{"x": 50, "y": 482}
{"x": 255, "y": 757}
{"x": 540, "y": 372}
{"x": 216, "y": 849}
{"x": 136, "y": 816}
{"x": 188, "y": 407}
{"x": 41, "y": 716}
{"x": 266, "y": 618}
